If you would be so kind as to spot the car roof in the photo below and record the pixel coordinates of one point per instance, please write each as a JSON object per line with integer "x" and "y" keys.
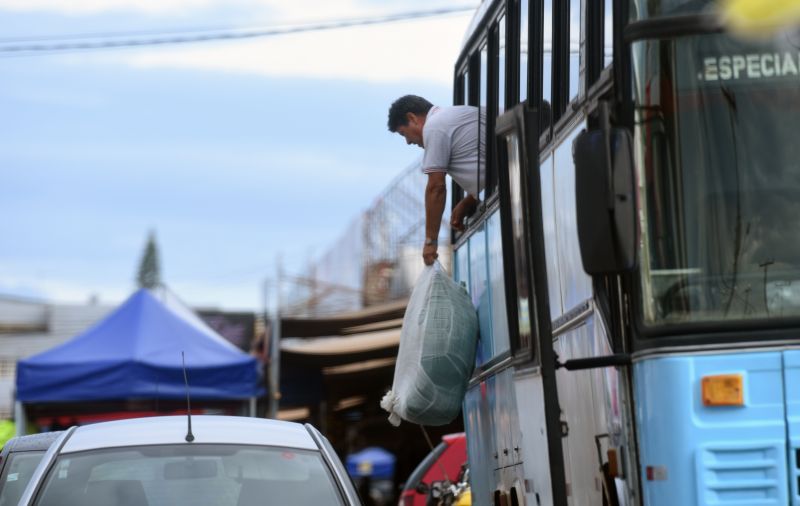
{"x": 31, "y": 442}
{"x": 206, "y": 429}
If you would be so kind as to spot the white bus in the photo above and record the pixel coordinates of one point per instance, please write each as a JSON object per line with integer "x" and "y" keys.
{"x": 635, "y": 258}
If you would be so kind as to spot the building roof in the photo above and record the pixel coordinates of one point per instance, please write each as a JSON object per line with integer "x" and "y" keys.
{"x": 340, "y": 324}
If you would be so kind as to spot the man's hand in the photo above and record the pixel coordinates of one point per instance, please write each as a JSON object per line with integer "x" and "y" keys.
{"x": 429, "y": 254}
{"x": 461, "y": 211}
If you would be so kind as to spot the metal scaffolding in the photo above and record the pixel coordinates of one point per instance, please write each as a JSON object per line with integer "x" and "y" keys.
{"x": 376, "y": 259}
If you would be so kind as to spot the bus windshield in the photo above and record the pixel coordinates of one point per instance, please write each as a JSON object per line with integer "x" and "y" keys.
{"x": 644, "y": 9}
{"x": 718, "y": 155}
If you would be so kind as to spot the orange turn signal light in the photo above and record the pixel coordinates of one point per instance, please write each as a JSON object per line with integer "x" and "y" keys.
{"x": 723, "y": 390}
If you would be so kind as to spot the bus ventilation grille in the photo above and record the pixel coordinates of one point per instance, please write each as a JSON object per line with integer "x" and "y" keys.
{"x": 742, "y": 476}
{"x": 796, "y": 475}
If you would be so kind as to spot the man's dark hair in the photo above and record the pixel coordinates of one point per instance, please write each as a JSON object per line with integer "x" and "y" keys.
{"x": 404, "y": 105}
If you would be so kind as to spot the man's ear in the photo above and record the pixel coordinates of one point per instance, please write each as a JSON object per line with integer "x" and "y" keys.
{"x": 411, "y": 118}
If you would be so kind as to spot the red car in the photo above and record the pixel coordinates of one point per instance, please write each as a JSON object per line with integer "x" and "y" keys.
{"x": 447, "y": 457}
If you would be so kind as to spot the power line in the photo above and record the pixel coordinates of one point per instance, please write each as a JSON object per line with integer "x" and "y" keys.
{"x": 58, "y": 44}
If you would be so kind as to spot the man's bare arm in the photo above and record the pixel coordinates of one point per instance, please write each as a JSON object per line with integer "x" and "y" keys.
{"x": 435, "y": 198}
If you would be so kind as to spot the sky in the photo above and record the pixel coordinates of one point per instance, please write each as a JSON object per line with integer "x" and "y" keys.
{"x": 235, "y": 153}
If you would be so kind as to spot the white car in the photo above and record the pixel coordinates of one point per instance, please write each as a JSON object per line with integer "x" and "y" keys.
{"x": 164, "y": 461}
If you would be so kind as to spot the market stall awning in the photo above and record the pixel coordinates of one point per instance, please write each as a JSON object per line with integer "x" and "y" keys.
{"x": 339, "y": 350}
{"x": 341, "y": 324}
{"x": 137, "y": 352}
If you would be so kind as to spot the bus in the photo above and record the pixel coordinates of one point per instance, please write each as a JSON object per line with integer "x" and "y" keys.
{"x": 634, "y": 258}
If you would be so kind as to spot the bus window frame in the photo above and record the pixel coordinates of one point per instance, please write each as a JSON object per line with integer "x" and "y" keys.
{"x": 536, "y": 85}
{"x": 515, "y": 41}
{"x": 467, "y": 93}
{"x": 597, "y": 79}
{"x": 487, "y": 86}
{"x": 560, "y": 55}
{"x": 473, "y": 98}
{"x": 513, "y": 53}
{"x": 469, "y": 62}
{"x": 459, "y": 91}
{"x": 491, "y": 181}
{"x": 502, "y": 21}
{"x": 594, "y": 48}
{"x": 514, "y": 121}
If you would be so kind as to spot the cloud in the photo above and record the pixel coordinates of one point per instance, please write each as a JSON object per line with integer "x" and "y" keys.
{"x": 280, "y": 11}
{"x": 402, "y": 51}
{"x": 84, "y": 7}
{"x": 314, "y": 128}
{"x": 422, "y": 50}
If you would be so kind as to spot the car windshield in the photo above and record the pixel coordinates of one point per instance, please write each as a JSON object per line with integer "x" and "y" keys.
{"x": 719, "y": 172}
{"x": 16, "y": 475}
{"x": 196, "y": 474}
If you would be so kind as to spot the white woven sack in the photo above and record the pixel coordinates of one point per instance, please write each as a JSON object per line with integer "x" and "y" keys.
{"x": 437, "y": 352}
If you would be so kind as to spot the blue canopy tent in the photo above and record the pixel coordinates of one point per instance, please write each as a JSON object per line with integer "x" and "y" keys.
{"x": 135, "y": 353}
{"x": 374, "y": 462}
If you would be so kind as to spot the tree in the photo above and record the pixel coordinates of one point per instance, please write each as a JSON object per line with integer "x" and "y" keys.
{"x": 149, "y": 275}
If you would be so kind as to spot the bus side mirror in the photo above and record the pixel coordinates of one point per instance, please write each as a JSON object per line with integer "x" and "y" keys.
{"x": 606, "y": 200}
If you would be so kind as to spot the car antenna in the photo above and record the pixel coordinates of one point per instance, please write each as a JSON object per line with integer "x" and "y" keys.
{"x": 189, "y": 435}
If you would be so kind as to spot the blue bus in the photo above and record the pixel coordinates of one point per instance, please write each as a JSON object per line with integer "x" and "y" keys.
{"x": 635, "y": 257}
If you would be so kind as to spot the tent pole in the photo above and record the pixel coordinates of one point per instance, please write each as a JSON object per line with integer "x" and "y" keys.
{"x": 275, "y": 349}
{"x": 19, "y": 418}
{"x": 274, "y": 365}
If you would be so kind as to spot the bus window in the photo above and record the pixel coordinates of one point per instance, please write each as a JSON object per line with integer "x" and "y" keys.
{"x": 550, "y": 237}
{"x": 608, "y": 33}
{"x": 523, "y": 50}
{"x": 473, "y": 79}
{"x": 497, "y": 285}
{"x": 576, "y": 285}
{"x": 501, "y": 65}
{"x": 497, "y": 94}
{"x": 465, "y": 86}
{"x": 461, "y": 89}
{"x": 484, "y": 102}
{"x": 484, "y": 88}
{"x": 516, "y": 184}
{"x": 461, "y": 266}
{"x": 480, "y": 294}
{"x": 643, "y": 9}
{"x": 547, "y": 61}
{"x": 461, "y": 98}
{"x": 575, "y": 37}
